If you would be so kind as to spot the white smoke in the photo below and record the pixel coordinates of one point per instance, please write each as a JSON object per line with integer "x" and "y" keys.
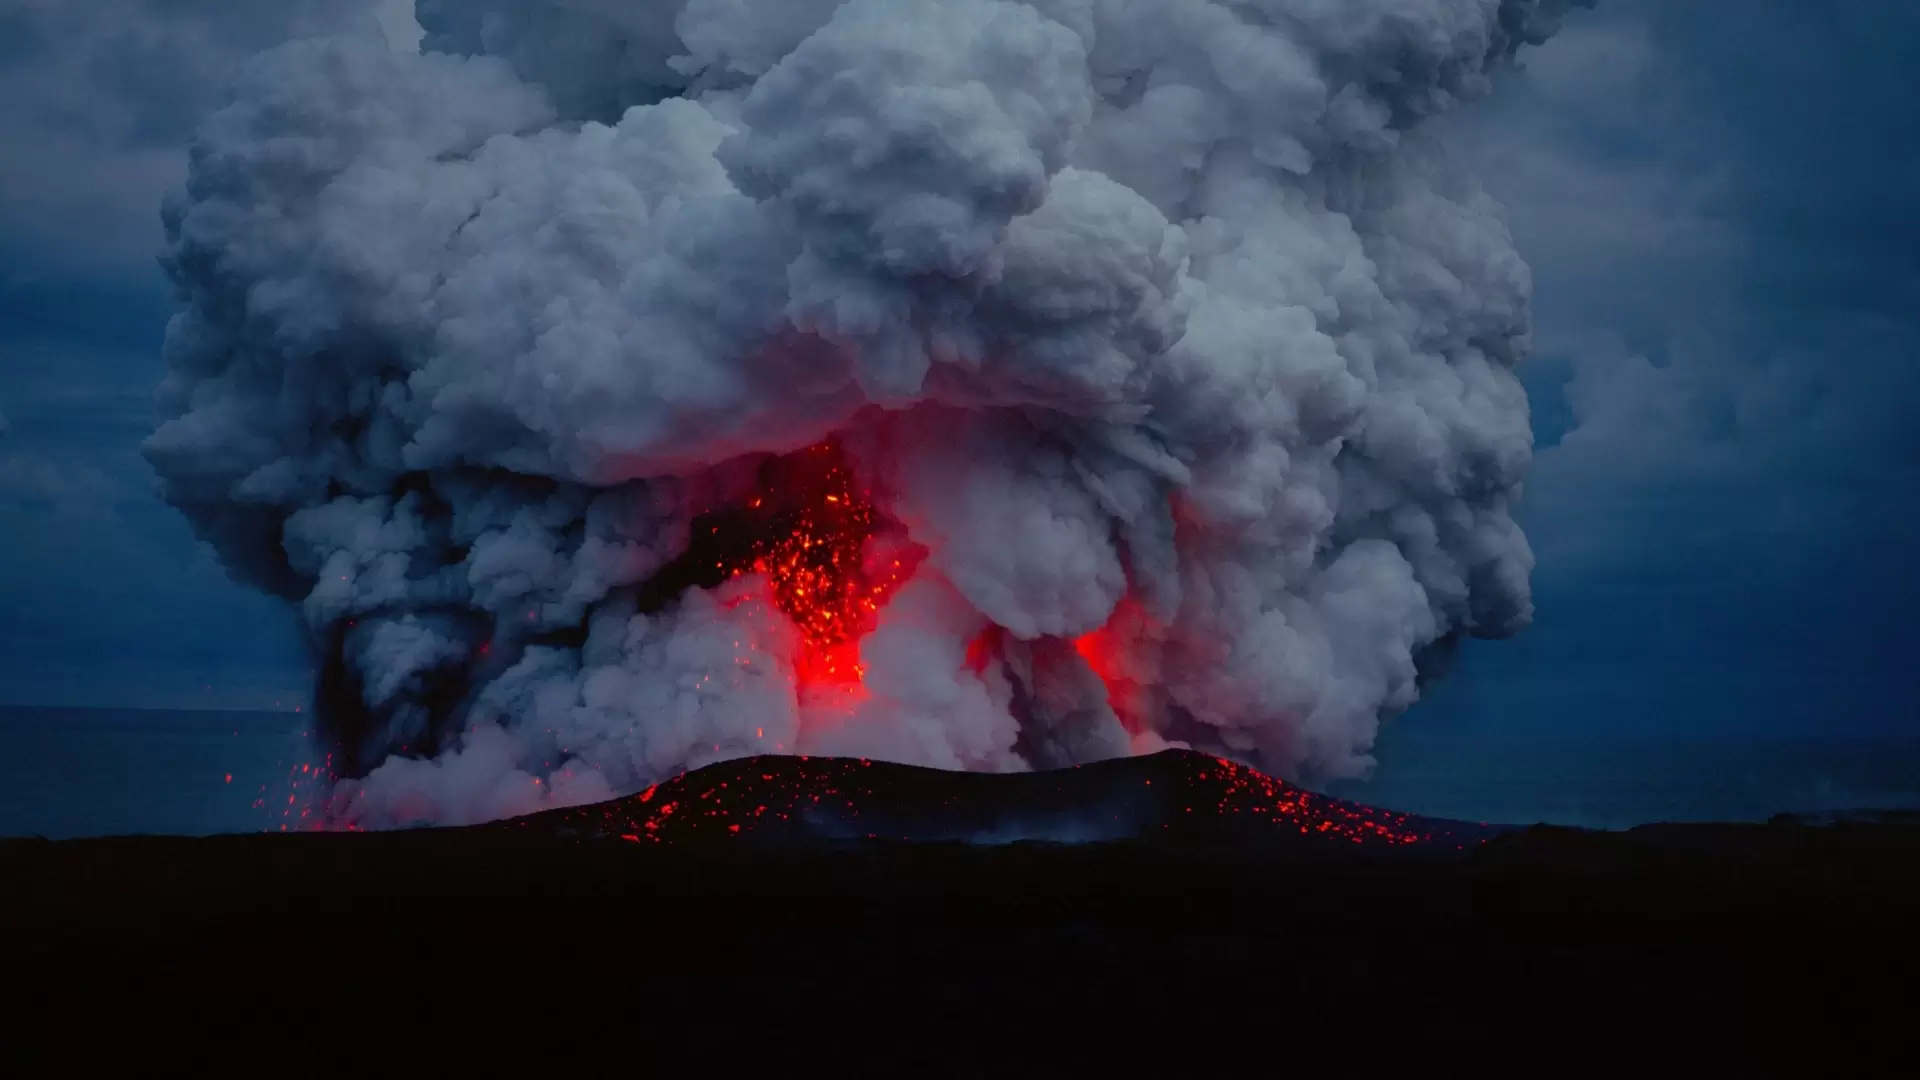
{"x": 1155, "y": 316}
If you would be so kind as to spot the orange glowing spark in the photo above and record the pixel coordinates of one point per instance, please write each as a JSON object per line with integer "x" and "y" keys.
{"x": 815, "y": 528}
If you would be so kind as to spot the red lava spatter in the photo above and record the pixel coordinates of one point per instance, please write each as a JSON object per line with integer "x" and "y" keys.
{"x": 308, "y": 787}
{"x": 1173, "y": 794}
{"x": 815, "y": 531}
{"x": 1247, "y": 791}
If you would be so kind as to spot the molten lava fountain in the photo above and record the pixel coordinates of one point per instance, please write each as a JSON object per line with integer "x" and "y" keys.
{"x": 815, "y": 535}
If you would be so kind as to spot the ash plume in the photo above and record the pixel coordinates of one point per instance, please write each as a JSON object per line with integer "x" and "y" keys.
{"x": 1123, "y": 376}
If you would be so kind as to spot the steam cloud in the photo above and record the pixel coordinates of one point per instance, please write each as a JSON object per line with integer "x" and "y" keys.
{"x": 1157, "y": 324}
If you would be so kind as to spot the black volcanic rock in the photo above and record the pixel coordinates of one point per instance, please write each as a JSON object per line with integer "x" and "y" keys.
{"x": 1177, "y": 796}
{"x": 1557, "y": 947}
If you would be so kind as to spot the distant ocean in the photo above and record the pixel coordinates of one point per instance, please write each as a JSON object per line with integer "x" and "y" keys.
{"x": 1621, "y": 781}
{"x": 111, "y": 772}
{"x": 74, "y": 772}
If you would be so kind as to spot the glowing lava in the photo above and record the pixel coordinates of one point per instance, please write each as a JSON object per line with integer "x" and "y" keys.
{"x": 818, "y": 540}
{"x": 1176, "y": 796}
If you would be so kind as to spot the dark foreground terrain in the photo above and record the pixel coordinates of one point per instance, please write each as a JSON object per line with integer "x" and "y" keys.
{"x": 1561, "y": 950}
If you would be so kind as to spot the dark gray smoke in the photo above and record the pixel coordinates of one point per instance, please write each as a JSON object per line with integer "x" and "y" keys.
{"x": 1157, "y": 324}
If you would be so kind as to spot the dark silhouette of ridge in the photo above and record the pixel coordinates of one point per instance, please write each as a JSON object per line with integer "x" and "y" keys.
{"x": 967, "y": 958}
{"x": 1176, "y": 796}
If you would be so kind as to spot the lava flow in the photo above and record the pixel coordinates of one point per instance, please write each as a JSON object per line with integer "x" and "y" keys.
{"x": 1175, "y": 796}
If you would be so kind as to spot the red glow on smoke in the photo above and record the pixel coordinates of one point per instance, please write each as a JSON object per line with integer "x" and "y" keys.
{"x": 979, "y": 650}
{"x": 1104, "y": 651}
{"x": 817, "y": 540}
{"x": 1092, "y": 648}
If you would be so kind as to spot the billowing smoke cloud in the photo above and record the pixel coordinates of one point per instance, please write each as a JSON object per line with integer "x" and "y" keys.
{"x": 1156, "y": 329}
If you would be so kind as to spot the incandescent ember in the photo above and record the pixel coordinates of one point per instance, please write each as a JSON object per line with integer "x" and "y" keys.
{"x": 1176, "y": 795}
{"x": 824, "y": 549}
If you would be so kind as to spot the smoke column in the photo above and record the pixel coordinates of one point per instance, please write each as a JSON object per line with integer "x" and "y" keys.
{"x": 618, "y": 386}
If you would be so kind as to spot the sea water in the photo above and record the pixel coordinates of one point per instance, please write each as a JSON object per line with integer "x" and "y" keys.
{"x": 83, "y": 772}
{"x": 1616, "y": 782}
{"x": 111, "y": 772}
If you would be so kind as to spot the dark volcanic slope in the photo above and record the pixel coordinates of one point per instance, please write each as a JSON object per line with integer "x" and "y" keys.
{"x": 964, "y": 959}
{"x": 1177, "y": 795}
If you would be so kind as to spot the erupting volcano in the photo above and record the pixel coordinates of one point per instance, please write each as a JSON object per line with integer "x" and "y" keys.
{"x": 618, "y": 388}
{"x": 816, "y": 537}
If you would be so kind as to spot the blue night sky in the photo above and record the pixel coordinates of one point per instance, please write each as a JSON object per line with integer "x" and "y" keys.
{"x": 1717, "y": 197}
